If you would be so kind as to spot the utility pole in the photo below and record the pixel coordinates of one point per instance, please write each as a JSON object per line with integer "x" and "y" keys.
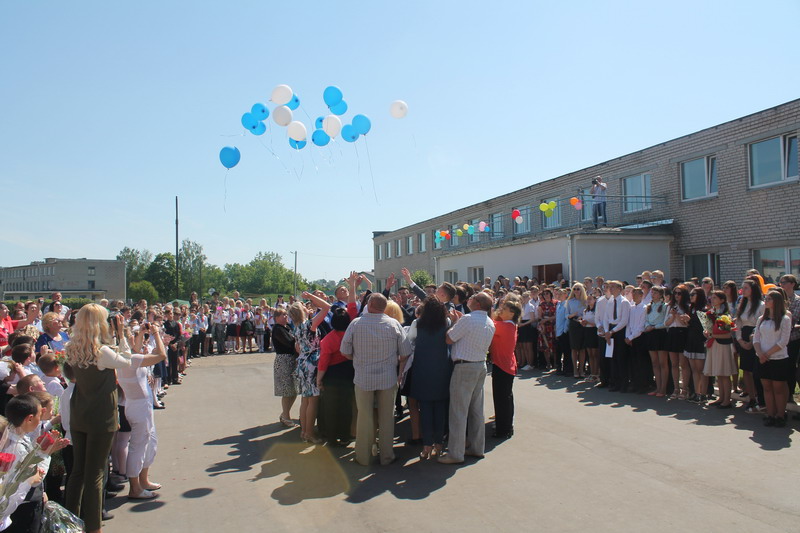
{"x": 177, "y": 269}
{"x": 294, "y": 289}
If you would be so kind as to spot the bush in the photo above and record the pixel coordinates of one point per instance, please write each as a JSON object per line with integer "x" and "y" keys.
{"x": 422, "y": 278}
{"x": 142, "y": 290}
{"x": 72, "y": 303}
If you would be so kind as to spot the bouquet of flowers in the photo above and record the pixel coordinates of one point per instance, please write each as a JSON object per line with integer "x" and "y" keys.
{"x": 715, "y": 324}
{"x": 15, "y": 470}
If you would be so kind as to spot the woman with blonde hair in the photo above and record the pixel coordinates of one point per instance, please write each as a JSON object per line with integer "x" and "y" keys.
{"x": 93, "y": 356}
{"x": 576, "y": 304}
{"x": 393, "y": 310}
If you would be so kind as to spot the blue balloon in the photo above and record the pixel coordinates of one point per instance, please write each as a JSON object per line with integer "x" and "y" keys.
{"x": 487, "y": 228}
{"x": 340, "y": 108}
{"x": 320, "y": 138}
{"x": 297, "y": 145}
{"x": 332, "y": 95}
{"x": 349, "y": 133}
{"x": 294, "y": 103}
{"x": 249, "y": 121}
{"x": 229, "y": 156}
{"x": 362, "y": 124}
{"x": 260, "y": 111}
{"x": 318, "y": 123}
{"x": 259, "y": 129}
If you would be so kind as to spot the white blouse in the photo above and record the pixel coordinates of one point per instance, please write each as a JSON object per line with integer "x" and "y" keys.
{"x": 766, "y": 336}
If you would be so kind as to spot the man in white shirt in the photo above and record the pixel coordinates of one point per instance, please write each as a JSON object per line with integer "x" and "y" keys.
{"x": 641, "y": 367}
{"x": 598, "y": 192}
{"x": 617, "y": 314}
{"x": 470, "y": 336}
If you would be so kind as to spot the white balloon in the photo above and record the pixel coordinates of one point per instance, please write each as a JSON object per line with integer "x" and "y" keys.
{"x": 398, "y": 109}
{"x": 332, "y": 125}
{"x": 282, "y": 115}
{"x": 282, "y": 94}
{"x": 297, "y": 131}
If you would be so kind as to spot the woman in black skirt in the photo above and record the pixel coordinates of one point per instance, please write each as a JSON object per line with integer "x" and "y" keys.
{"x": 770, "y": 340}
{"x": 677, "y": 321}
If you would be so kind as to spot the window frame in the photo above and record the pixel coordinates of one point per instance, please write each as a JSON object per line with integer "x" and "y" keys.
{"x": 525, "y": 227}
{"x": 787, "y": 259}
{"x": 454, "y": 235}
{"x": 410, "y": 245}
{"x": 709, "y": 161}
{"x": 471, "y": 274}
{"x": 379, "y": 252}
{"x": 475, "y": 237}
{"x": 712, "y": 266}
{"x": 497, "y": 233}
{"x": 437, "y": 245}
{"x": 422, "y": 244}
{"x": 388, "y": 249}
{"x": 646, "y": 184}
{"x": 398, "y": 248}
{"x": 553, "y": 222}
{"x": 785, "y": 141}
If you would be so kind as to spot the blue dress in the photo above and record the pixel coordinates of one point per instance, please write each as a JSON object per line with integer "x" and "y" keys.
{"x": 431, "y": 369}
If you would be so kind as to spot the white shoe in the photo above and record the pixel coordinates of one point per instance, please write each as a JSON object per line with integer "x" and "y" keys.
{"x": 527, "y": 367}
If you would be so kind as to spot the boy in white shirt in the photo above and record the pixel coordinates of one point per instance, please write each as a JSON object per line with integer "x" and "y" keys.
{"x": 641, "y": 368}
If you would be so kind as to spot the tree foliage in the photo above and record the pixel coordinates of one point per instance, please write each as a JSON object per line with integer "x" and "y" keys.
{"x": 422, "y": 278}
{"x": 161, "y": 273}
{"x": 139, "y": 290}
{"x": 136, "y": 263}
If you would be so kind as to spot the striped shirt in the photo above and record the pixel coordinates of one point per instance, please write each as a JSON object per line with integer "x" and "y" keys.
{"x": 375, "y": 342}
{"x": 471, "y": 337}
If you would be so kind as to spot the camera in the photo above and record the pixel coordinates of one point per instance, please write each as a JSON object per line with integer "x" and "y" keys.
{"x": 594, "y": 181}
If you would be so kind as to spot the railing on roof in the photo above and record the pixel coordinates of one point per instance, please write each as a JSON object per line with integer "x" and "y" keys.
{"x": 619, "y": 211}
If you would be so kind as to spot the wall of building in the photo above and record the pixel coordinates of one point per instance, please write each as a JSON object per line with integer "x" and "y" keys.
{"x": 90, "y": 278}
{"x": 619, "y": 257}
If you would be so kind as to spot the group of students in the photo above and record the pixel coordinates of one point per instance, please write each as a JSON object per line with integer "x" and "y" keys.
{"x": 674, "y": 341}
{"x": 93, "y": 387}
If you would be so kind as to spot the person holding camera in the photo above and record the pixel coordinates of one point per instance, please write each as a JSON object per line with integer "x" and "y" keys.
{"x": 598, "y": 192}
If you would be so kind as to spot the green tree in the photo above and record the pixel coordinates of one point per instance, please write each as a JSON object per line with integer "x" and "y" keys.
{"x": 191, "y": 263}
{"x": 213, "y": 278}
{"x": 142, "y": 289}
{"x": 161, "y": 274}
{"x": 136, "y": 263}
{"x": 422, "y": 278}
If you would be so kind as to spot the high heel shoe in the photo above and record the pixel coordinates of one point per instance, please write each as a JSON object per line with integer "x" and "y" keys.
{"x": 426, "y": 452}
{"x": 287, "y": 422}
{"x": 437, "y": 450}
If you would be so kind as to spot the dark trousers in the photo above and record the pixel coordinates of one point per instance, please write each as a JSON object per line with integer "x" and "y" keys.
{"x": 85, "y": 488}
{"x": 267, "y": 334}
{"x": 599, "y": 210}
{"x": 563, "y": 350}
{"x": 433, "y": 417}
{"x": 503, "y": 397}
{"x": 642, "y": 367}
{"x": 620, "y": 363}
{"x": 336, "y": 402}
{"x": 219, "y": 337}
{"x": 794, "y": 349}
{"x": 28, "y": 516}
{"x": 172, "y": 356}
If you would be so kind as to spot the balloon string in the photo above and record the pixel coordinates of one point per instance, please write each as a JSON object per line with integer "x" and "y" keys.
{"x": 371, "y": 175}
{"x": 358, "y": 174}
{"x": 267, "y": 148}
{"x": 225, "y": 198}
{"x": 237, "y": 135}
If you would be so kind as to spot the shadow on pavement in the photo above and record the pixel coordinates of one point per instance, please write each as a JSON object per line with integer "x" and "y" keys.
{"x": 320, "y": 471}
{"x": 766, "y": 437}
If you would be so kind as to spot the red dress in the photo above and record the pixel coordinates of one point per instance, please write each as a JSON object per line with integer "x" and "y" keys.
{"x": 547, "y": 330}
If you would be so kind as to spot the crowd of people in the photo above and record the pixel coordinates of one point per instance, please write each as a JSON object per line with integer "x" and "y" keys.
{"x": 88, "y": 381}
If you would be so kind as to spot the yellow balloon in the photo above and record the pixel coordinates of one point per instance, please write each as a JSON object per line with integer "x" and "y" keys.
{"x": 551, "y": 205}
{"x": 465, "y": 226}
{"x": 459, "y": 232}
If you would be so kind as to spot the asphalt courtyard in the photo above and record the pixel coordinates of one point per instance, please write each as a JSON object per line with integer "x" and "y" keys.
{"x": 581, "y": 459}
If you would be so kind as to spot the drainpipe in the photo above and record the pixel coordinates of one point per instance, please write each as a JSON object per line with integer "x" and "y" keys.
{"x": 571, "y": 278}
{"x": 435, "y": 269}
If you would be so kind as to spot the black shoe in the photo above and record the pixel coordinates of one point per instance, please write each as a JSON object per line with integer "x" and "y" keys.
{"x": 780, "y": 422}
{"x": 613, "y": 389}
{"x": 107, "y": 515}
{"x": 769, "y": 421}
{"x": 503, "y": 436}
{"x": 111, "y": 495}
{"x": 729, "y": 406}
{"x": 114, "y": 487}
{"x": 601, "y": 385}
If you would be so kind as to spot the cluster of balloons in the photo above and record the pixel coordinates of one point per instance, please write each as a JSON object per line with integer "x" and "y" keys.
{"x": 576, "y": 203}
{"x": 469, "y": 229}
{"x": 517, "y": 216}
{"x": 547, "y": 208}
{"x": 325, "y": 128}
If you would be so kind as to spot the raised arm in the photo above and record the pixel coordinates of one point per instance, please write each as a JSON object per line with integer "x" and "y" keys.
{"x": 320, "y": 304}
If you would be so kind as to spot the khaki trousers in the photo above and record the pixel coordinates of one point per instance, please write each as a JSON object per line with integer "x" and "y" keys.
{"x": 365, "y": 424}
{"x": 466, "y": 411}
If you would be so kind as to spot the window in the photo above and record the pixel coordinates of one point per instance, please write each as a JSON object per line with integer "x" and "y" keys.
{"x": 451, "y": 276}
{"x": 773, "y": 160}
{"x": 554, "y": 220}
{"x": 91, "y": 271}
{"x": 91, "y": 284}
{"x": 525, "y": 227}
{"x": 585, "y": 196}
{"x": 398, "y": 247}
{"x": 475, "y": 274}
{"x": 773, "y": 262}
{"x": 410, "y": 245}
{"x": 389, "y": 250}
{"x": 379, "y": 252}
{"x": 421, "y": 241}
{"x": 699, "y": 178}
{"x": 475, "y": 237}
{"x": 701, "y": 266}
{"x": 497, "y": 225}
{"x": 454, "y": 234}
{"x": 637, "y": 193}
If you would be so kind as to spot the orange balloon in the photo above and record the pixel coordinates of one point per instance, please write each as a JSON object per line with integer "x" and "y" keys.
{"x": 573, "y": 201}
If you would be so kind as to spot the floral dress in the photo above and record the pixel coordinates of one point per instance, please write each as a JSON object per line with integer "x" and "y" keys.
{"x": 547, "y": 330}
{"x": 308, "y": 359}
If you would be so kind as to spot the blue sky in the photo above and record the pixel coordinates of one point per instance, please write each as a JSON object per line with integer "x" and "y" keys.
{"x": 111, "y": 109}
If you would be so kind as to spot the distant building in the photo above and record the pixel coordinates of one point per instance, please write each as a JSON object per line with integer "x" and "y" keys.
{"x": 93, "y": 279}
{"x": 712, "y": 203}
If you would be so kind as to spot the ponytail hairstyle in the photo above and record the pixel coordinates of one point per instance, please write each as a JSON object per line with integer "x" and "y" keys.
{"x": 659, "y": 290}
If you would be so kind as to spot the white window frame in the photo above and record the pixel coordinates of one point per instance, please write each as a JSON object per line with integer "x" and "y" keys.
{"x": 389, "y": 250}
{"x": 497, "y": 229}
{"x": 379, "y": 252}
{"x": 585, "y": 196}
{"x": 422, "y": 243}
{"x": 554, "y": 221}
{"x": 525, "y": 227}
{"x": 475, "y": 274}
{"x": 398, "y": 248}
{"x": 709, "y": 162}
{"x": 410, "y": 245}
{"x": 453, "y": 235}
{"x": 437, "y": 245}
{"x": 475, "y": 237}
{"x": 784, "y": 143}
{"x": 787, "y": 259}
{"x": 646, "y": 185}
{"x": 451, "y": 276}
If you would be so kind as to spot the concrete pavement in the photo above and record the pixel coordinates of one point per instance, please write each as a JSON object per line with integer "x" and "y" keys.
{"x": 582, "y": 459}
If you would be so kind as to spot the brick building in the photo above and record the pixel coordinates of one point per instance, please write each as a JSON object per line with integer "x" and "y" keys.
{"x": 715, "y": 202}
{"x": 94, "y": 279}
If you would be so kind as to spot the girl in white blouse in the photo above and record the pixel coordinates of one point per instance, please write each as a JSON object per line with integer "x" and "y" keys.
{"x": 749, "y": 311}
{"x": 770, "y": 339}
